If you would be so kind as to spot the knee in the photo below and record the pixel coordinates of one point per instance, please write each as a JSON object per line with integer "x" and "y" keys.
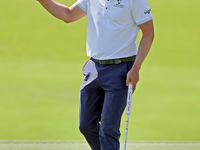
{"x": 84, "y": 128}
{"x": 106, "y": 131}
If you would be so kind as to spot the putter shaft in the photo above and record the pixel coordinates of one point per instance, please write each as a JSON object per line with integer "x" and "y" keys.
{"x": 128, "y": 109}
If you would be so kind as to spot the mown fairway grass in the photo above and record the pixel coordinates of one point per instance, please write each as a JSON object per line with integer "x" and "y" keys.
{"x": 40, "y": 75}
{"x": 82, "y": 145}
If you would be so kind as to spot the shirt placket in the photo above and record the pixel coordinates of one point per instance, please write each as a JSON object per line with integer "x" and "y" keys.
{"x": 106, "y": 6}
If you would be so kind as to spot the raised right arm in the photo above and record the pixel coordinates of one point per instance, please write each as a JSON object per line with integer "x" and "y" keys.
{"x": 62, "y": 12}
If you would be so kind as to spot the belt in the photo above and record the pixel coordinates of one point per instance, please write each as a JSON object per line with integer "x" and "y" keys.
{"x": 115, "y": 61}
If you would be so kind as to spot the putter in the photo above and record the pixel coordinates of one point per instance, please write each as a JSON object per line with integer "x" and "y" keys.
{"x": 128, "y": 109}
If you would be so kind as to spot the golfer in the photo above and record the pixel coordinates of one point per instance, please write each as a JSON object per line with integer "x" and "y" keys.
{"x": 115, "y": 61}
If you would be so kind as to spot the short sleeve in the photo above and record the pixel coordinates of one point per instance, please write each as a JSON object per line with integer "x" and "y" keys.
{"x": 141, "y": 11}
{"x": 82, "y": 4}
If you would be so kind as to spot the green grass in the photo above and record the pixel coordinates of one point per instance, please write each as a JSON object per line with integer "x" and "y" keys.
{"x": 40, "y": 100}
{"x": 40, "y": 76}
{"x": 46, "y": 96}
{"x": 77, "y": 145}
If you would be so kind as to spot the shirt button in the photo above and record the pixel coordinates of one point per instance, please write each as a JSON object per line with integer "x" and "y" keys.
{"x": 106, "y": 7}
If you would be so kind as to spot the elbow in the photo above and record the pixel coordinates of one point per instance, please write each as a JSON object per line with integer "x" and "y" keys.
{"x": 67, "y": 17}
{"x": 149, "y": 35}
{"x": 67, "y": 20}
{"x": 152, "y": 36}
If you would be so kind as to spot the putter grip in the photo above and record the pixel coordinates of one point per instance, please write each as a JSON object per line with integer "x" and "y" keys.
{"x": 129, "y": 99}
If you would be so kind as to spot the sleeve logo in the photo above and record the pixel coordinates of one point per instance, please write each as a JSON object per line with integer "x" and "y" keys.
{"x": 147, "y": 11}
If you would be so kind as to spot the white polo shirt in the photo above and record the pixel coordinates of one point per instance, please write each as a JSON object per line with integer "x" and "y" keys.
{"x": 112, "y": 26}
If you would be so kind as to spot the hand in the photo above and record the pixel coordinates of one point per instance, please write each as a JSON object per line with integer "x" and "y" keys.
{"x": 133, "y": 77}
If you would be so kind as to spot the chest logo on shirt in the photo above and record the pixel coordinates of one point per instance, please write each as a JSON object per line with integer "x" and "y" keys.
{"x": 119, "y": 5}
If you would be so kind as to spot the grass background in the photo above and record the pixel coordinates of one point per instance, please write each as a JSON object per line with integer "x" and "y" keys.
{"x": 80, "y": 144}
{"x": 40, "y": 74}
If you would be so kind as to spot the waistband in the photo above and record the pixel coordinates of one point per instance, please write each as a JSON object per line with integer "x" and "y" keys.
{"x": 115, "y": 61}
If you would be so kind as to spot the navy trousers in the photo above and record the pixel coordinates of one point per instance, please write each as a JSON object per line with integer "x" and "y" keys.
{"x": 102, "y": 102}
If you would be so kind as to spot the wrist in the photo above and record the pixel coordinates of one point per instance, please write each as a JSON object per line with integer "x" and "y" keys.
{"x": 136, "y": 67}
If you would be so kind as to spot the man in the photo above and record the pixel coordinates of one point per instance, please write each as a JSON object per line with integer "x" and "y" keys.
{"x": 112, "y": 28}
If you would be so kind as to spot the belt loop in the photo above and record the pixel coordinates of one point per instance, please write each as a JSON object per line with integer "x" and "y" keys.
{"x": 100, "y": 61}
